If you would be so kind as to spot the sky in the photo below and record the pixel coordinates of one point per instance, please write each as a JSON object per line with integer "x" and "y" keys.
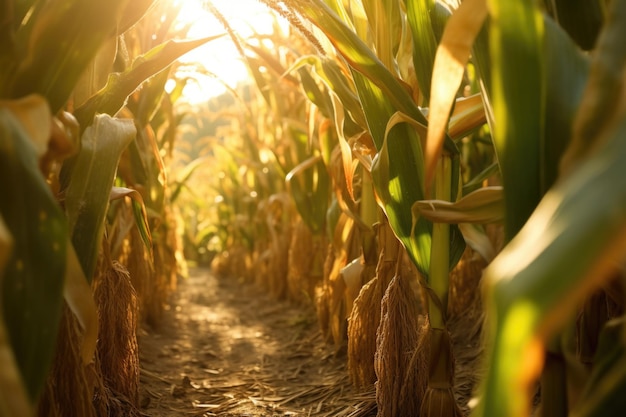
{"x": 220, "y": 56}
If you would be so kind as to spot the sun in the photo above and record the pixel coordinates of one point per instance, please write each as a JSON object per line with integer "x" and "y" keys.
{"x": 220, "y": 57}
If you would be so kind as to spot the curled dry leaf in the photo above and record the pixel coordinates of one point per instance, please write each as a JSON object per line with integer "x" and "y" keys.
{"x": 485, "y": 205}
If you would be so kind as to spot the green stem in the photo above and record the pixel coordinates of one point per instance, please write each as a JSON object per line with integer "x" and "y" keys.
{"x": 440, "y": 249}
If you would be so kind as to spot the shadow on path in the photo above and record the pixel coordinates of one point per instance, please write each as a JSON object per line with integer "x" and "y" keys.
{"x": 225, "y": 348}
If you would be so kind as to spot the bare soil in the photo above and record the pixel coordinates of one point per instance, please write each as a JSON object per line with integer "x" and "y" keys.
{"x": 226, "y": 348}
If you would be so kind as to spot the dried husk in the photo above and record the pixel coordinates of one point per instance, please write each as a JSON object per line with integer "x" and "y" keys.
{"x": 365, "y": 315}
{"x": 141, "y": 269}
{"x": 278, "y": 266}
{"x": 305, "y": 263}
{"x": 322, "y": 297}
{"x": 117, "y": 349}
{"x": 71, "y": 385}
{"x": 397, "y": 337}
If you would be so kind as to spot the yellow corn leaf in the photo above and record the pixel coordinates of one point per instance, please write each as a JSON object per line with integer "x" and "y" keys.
{"x": 348, "y": 162}
{"x": 452, "y": 56}
{"x": 468, "y": 114}
{"x": 485, "y": 205}
{"x": 79, "y": 298}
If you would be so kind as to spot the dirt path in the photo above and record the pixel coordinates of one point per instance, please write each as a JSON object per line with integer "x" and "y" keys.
{"x": 226, "y": 348}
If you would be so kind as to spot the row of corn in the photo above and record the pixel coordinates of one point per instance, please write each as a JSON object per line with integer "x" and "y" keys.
{"x": 442, "y": 181}
{"x": 89, "y": 239}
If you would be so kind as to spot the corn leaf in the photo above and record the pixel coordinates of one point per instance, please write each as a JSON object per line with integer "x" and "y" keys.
{"x": 133, "y": 12}
{"x": 150, "y": 100}
{"x": 33, "y": 278}
{"x": 581, "y": 19}
{"x": 469, "y": 114}
{"x": 139, "y": 212}
{"x": 418, "y": 14}
{"x": 385, "y": 28}
{"x": 567, "y": 73}
{"x": 516, "y": 41}
{"x": 120, "y": 85}
{"x": 450, "y": 60}
{"x": 604, "y": 90}
{"x": 484, "y": 205}
{"x": 398, "y": 184}
{"x": 58, "y": 45}
{"x": 87, "y": 196}
{"x": 309, "y": 185}
{"x": 13, "y": 398}
{"x": 604, "y": 391}
{"x": 540, "y": 277}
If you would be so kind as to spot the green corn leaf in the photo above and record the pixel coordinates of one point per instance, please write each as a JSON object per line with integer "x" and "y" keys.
{"x": 516, "y": 39}
{"x": 309, "y": 185}
{"x": 120, "y": 85}
{"x": 580, "y": 18}
{"x": 33, "y": 278}
{"x": 400, "y": 183}
{"x": 567, "y": 71}
{"x": 328, "y": 71}
{"x": 58, "y": 43}
{"x": 150, "y": 99}
{"x": 604, "y": 391}
{"x": 424, "y": 42}
{"x": 337, "y": 81}
{"x": 13, "y": 398}
{"x": 87, "y": 196}
{"x": 569, "y": 245}
{"x": 604, "y": 90}
{"x": 361, "y": 59}
{"x": 314, "y": 94}
{"x": 561, "y": 71}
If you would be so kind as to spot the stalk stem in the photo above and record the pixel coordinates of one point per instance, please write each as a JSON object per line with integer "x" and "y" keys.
{"x": 440, "y": 250}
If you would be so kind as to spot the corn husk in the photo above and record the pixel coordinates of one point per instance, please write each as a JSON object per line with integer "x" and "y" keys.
{"x": 118, "y": 352}
{"x": 305, "y": 263}
{"x": 365, "y": 316}
{"x": 70, "y": 387}
{"x": 397, "y": 338}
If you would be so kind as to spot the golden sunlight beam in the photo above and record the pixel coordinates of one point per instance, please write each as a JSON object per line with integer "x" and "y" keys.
{"x": 218, "y": 62}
